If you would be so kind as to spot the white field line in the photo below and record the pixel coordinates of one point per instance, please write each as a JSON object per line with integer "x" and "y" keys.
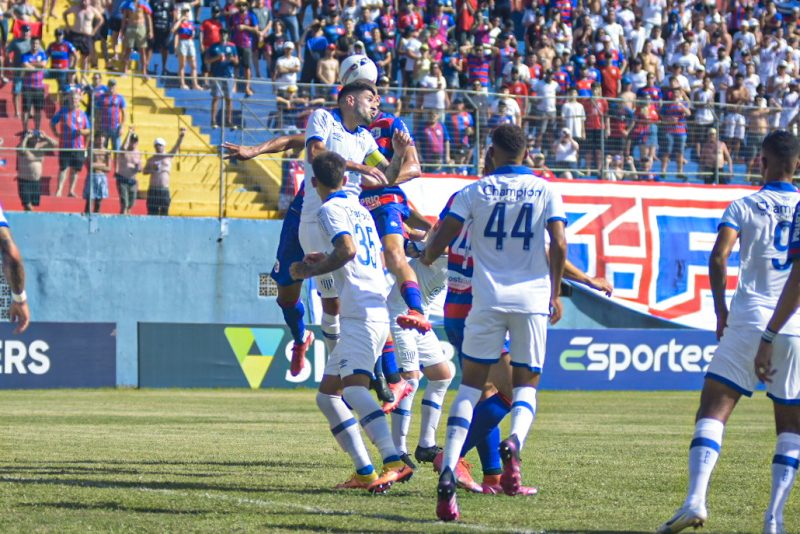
{"x": 278, "y": 504}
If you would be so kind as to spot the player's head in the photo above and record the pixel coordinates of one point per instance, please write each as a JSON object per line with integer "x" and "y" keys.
{"x": 509, "y": 144}
{"x": 328, "y": 170}
{"x": 780, "y": 151}
{"x": 359, "y": 98}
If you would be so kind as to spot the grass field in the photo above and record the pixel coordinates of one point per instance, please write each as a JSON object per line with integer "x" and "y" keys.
{"x": 177, "y": 460}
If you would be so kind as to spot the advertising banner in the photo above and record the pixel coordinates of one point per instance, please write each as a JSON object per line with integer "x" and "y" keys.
{"x": 197, "y": 355}
{"x": 58, "y": 355}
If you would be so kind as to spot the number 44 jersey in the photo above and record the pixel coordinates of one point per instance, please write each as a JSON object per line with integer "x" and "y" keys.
{"x": 509, "y": 211}
{"x": 763, "y": 221}
{"x": 361, "y": 283}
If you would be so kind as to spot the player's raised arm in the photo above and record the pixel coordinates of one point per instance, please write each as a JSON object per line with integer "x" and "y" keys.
{"x": 277, "y": 144}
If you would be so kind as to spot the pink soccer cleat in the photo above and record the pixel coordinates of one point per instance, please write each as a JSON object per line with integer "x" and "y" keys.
{"x": 299, "y": 354}
{"x": 446, "y": 505}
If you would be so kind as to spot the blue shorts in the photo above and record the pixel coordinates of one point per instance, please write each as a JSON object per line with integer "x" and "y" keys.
{"x": 389, "y": 218}
{"x": 289, "y": 250}
{"x": 676, "y": 144}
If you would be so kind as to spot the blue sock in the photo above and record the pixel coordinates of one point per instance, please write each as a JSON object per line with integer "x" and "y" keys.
{"x": 293, "y": 317}
{"x": 489, "y": 452}
{"x": 410, "y": 292}
{"x": 389, "y": 363}
{"x": 487, "y": 415}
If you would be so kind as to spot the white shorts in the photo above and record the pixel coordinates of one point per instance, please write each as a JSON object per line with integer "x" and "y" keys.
{"x": 485, "y": 334}
{"x": 312, "y": 240}
{"x": 360, "y": 344}
{"x": 415, "y": 351}
{"x": 734, "y": 364}
{"x": 186, "y": 48}
{"x": 734, "y": 126}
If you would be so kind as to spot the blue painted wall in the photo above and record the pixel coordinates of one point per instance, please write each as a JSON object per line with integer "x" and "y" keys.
{"x": 149, "y": 269}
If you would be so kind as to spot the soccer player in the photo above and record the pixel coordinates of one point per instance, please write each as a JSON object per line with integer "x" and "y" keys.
{"x": 761, "y": 223}
{"x": 14, "y": 272}
{"x": 512, "y": 286}
{"x": 420, "y": 351}
{"x": 354, "y": 259}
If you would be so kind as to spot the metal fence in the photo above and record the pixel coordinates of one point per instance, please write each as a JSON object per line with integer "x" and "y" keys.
{"x": 574, "y": 136}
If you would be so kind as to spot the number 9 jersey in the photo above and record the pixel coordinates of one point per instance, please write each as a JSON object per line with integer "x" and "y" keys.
{"x": 361, "y": 282}
{"x": 509, "y": 211}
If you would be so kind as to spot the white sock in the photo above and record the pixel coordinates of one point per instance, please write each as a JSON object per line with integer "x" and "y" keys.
{"x": 703, "y": 454}
{"x": 401, "y": 417}
{"x": 784, "y": 470}
{"x": 344, "y": 428}
{"x": 458, "y": 424}
{"x": 372, "y": 420}
{"x": 330, "y": 330}
{"x": 523, "y": 412}
{"x": 432, "y": 411}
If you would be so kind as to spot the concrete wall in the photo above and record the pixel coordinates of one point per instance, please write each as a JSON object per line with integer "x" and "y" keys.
{"x": 147, "y": 269}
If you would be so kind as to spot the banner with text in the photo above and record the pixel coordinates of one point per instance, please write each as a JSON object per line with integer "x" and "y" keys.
{"x": 257, "y": 356}
{"x": 58, "y": 355}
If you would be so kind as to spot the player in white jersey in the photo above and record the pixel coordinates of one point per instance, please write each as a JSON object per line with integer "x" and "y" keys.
{"x": 352, "y": 253}
{"x": 760, "y": 222}
{"x": 14, "y": 271}
{"x": 515, "y": 289}
{"x": 342, "y": 131}
{"x": 417, "y": 351}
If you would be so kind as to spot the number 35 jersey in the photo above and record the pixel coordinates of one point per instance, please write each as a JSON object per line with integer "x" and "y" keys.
{"x": 509, "y": 211}
{"x": 361, "y": 282}
{"x": 763, "y": 221}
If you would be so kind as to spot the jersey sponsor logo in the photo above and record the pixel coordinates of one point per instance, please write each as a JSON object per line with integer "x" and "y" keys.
{"x": 765, "y": 208}
{"x": 503, "y": 192}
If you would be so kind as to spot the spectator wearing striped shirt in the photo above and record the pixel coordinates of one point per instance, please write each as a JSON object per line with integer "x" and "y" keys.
{"x": 72, "y": 126}
{"x": 673, "y": 113}
{"x": 62, "y": 56}
{"x": 34, "y": 63}
{"x": 110, "y": 115}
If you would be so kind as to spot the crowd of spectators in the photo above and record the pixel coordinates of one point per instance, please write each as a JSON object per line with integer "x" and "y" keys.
{"x": 615, "y": 89}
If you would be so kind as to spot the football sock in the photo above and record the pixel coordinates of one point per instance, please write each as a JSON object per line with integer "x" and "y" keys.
{"x": 401, "y": 418}
{"x": 488, "y": 414}
{"x": 378, "y": 369}
{"x": 784, "y": 470}
{"x": 293, "y": 317}
{"x": 523, "y": 412}
{"x": 389, "y": 363}
{"x": 489, "y": 452}
{"x": 458, "y": 424}
{"x": 344, "y": 428}
{"x": 373, "y": 421}
{"x": 411, "y": 295}
{"x": 330, "y": 330}
{"x": 703, "y": 453}
{"x": 432, "y": 411}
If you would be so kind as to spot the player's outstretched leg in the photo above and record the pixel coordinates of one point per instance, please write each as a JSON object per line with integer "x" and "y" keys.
{"x": 293, "y": 317}
{"x": 397, "y": 385}
{"x": 401, "y": 422}
{"x": 784, "y": 471}
{"x": 396, "y": 262}
{"x": 345, "y": 431}
{"x": 374, "y": 423}
{"x": 432, "y": 402}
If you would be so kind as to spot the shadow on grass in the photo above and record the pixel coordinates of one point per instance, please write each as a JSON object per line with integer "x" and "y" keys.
{"x": 256, "y": 463}
{"x": 117, "y": 507}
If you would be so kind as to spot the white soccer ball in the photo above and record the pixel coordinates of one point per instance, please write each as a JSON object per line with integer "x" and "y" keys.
{"x": 358, "y": 67}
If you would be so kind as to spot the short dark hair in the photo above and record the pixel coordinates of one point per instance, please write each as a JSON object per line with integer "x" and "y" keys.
{"x": 510, "y": 138}
{"x": 356, "y": 87}
{"x": 781, "y": 148}
{"x": 329, "y": 169}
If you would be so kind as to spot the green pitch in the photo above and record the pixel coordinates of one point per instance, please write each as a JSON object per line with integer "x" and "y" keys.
{"x": 176, "y": 460}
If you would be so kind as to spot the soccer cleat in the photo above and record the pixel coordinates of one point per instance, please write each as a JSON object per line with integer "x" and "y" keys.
{"x": 685, "y": 517}
{"x": 491, "y": 486}
{"x": 358, "y": 481}
{"x": 426, "y": 454}
{"x": 511, "y": 479}
{"x": 392, "y": 472}
{"x": 299, "y": 354}
{"x": 407, "y": 460}
{"x": 462, "y": 474}
{"x": 414, "y": 320}
{"x": 400, "y": 390}
{"x": 446, "y": 505}
{"x": 773, "y": 526}
{"x": 381, "y": 387}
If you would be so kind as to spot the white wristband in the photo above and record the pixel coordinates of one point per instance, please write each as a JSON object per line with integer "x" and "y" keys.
{"x": 19, "y": 298}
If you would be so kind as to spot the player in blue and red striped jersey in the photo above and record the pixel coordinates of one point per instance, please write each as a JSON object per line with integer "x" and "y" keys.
{"x": 62, "y": 58}
{"x": 34, "y": 63}
{"x": 110, "y": 115}
{"x": 74, "y": 127}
